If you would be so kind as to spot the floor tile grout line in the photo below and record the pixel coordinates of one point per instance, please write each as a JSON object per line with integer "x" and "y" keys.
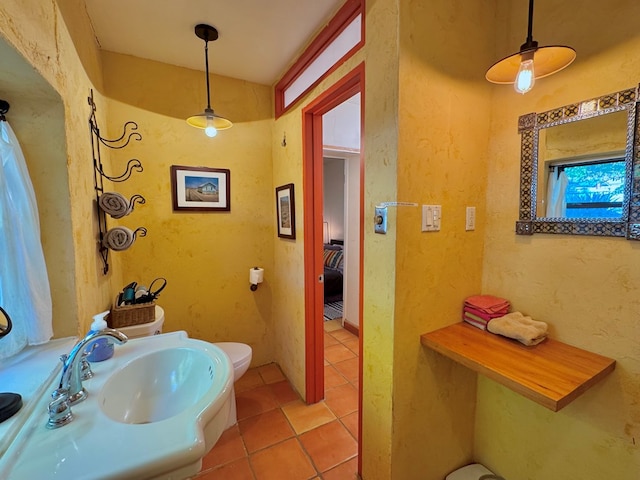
{"x": 302, "y": 447}
{"x": 318, "y": 471}
{"x": 297, "y": 436}
{"x": 313, "y": 464}
{"x": 347, "y": 428}
{"x": 247, "y": 456}
{"x": 220, "y": 465}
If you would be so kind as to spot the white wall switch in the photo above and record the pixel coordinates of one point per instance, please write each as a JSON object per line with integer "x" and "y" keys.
{"x": 470, "y": 223}
{"x": 431, "y": 216}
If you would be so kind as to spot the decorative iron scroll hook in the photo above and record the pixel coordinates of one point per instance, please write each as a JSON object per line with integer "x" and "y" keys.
{"x": 119, "y": 238}
{"x": 4, "y": 108}
{"x": 136, "y": 198}
{"x": 132, "y": 135}
{"x": 133, "y": 164}
{"x": 140, "y": 231}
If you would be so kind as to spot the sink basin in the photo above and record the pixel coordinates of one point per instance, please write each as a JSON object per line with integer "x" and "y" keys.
{"x": 172, "y": 381}
{"x": 153, "y": 411}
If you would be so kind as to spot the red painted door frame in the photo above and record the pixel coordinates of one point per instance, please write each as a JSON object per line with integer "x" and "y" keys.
{"x": 312, "y": 146}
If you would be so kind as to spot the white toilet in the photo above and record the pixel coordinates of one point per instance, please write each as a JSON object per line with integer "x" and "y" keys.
{"x": 475, "y": 471}
{"x": 240, "y": 355}
{"x": 146, "y": 329}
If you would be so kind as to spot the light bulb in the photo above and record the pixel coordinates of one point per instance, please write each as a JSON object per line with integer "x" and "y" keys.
{"x": 210, "y": 130}
{"x": 525, "y": 77}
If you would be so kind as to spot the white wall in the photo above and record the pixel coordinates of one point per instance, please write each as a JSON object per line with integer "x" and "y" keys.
{"x": 352, "y": 240}
{"x": 333, "y": 198}
{"x": 341, "y": 126}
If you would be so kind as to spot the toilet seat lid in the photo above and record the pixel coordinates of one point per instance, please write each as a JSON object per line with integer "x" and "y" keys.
{"x": 238, "y": 352}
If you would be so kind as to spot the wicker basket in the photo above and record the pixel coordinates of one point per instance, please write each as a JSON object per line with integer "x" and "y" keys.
{"x": 128, "y": 315}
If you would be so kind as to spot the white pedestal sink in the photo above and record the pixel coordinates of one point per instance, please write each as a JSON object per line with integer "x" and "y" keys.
{"x": 153, "y": 411}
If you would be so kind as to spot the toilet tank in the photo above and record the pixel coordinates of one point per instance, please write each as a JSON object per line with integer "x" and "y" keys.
{"x": 146, "y": 329}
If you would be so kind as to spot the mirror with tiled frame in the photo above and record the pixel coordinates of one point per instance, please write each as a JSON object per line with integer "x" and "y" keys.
{"x": 595, "y": 116}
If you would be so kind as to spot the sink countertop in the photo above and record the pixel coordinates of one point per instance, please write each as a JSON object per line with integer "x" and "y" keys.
{"x": 94, "y": 446}
{"x": 29, "y": 373}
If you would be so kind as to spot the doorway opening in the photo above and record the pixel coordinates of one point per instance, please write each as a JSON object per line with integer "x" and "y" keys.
{"x": 314, "y": 148}
{"x": 341, "y": 219}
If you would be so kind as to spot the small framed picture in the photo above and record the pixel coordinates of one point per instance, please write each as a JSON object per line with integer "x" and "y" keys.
{"x": 200, "y": 189}
{"x": 285, "y": 203}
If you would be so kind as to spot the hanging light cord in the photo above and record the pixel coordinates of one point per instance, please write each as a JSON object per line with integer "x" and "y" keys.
{"x": 530, "y": 43}
{"x": 208, "y": 120}
{"x": 206, "y": 62}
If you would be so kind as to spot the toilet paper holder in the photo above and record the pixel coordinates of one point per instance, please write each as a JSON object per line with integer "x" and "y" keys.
{"x": 256, "y": 276}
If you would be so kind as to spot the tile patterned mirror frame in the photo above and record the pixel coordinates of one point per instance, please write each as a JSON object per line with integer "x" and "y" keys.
{"x": 529, "y": 127}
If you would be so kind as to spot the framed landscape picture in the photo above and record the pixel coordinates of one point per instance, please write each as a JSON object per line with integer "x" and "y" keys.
{"x": 200, "y": 189}
{"x": 285, "y": 204}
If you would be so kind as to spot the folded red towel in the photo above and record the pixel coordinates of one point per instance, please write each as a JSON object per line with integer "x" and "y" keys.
{"x": 488, "y": 303}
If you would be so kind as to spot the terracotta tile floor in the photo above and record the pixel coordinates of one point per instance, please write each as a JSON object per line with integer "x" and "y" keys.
{"x": 279, "y": 437}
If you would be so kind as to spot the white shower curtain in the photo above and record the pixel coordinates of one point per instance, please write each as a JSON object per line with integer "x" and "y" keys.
{"x": 556, "y": 202}
{"x": 24, "y": 284}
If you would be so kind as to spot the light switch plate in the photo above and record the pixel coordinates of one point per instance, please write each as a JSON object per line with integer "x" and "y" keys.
{"x": 380, "y": 220}
{"x": 470, "y": 222}
{"x": 431, "y": 216}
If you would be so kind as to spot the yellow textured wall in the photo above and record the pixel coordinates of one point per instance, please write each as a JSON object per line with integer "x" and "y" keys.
{"x": 586, "y": 288}
{"x": 380, "y": 147}
{"x": 429, "y": 130}
{"x": 442, "y": 159}
{"x": 83, "y": 36}
{"x": 288, "y": 255}
{"x": 205, "y": 257}
{"x": 38, "y": 32}
{"x": 381, "y": 57}
{"x": 413, "y": 282}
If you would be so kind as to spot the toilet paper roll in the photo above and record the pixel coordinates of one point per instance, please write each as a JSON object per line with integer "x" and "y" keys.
{"x": 256, "y": 275}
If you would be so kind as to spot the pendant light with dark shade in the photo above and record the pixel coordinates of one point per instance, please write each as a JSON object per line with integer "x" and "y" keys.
{"x": 208, "y": 120}
{"x": 531, "y": 62}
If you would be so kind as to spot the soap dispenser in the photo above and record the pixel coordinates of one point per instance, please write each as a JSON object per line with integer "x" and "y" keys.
{"x": 102, "y": 348}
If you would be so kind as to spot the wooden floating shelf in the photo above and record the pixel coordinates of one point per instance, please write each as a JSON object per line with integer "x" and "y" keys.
{"x": 551, "y": 373}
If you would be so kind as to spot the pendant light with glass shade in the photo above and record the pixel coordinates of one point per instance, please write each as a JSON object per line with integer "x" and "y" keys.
{"x": 531, "y": 62}
{"x": 208, "y": 120}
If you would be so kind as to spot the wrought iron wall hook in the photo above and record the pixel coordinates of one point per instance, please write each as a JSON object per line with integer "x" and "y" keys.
{"x": 129, "y": 132}
{"x": 4, "y": 108}
{"x": 93, "y": 124}
{"x": 133, "y": 164}
{"x": 140, "y": 231}
{"x": 104, "y": 254}
{"x": 136, "y": 198}
{"x": 91, "y": 102}
{"x": 133, "y": 134}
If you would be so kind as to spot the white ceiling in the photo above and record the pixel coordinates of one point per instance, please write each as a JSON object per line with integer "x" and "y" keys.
{"x": 257, "y": 41}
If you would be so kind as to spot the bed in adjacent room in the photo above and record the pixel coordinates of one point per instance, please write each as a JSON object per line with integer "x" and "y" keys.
{"x": 333, "y": 281}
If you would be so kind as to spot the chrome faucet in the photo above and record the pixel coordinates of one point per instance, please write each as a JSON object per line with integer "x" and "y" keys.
{"x": 71, "y": 379}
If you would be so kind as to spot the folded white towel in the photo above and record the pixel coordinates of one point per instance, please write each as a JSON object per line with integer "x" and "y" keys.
{"x": 519, "y": 327}
{"x": 115, "y": 204}
{"x": 121, "y": 238}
